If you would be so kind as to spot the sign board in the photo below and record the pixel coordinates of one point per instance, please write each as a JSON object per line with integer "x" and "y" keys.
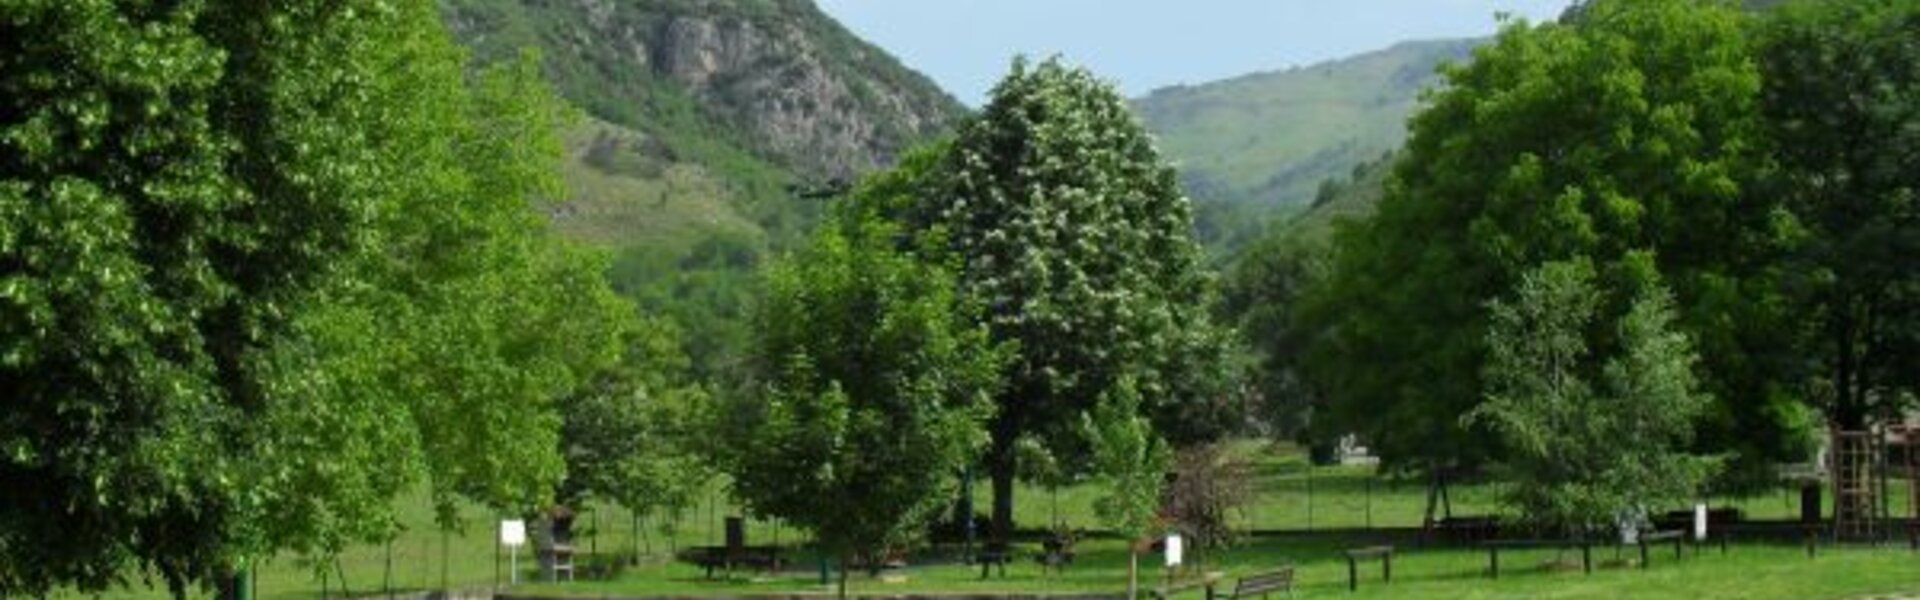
{"x": 1699, "y": 522}
{"x": 513, "y": 533}
{"x": 1173, "y": 550}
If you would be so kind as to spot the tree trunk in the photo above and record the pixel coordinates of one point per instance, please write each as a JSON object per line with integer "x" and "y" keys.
{"x": 1002, "y": 463}
{"x": 845, "y": 560}
{"x": 1133, "y": 571}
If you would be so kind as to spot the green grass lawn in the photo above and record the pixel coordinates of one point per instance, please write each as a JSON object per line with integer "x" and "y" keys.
{"x": 1341, "y": 497}
{"x": 1747, "y": 571}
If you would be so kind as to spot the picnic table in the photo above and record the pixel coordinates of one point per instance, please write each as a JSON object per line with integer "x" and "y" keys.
{"x": 710, "y": 558}
{"x": 1355, "y": 555}
{"x": 1495, "y": 546}
{"x": 1679, "y": 539}
{"x": 1468, "y": 529}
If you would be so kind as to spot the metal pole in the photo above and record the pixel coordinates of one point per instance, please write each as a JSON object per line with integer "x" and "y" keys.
{"x": 386, "y": 578}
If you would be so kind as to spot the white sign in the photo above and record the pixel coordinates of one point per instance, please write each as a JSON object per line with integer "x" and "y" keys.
{"x": 1700, "y": 522}
{"x": 1173, "y": 550}
{"x": 513, "y": 533}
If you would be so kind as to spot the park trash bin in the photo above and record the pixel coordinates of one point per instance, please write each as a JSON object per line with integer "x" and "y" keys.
{"x": 1810, "y": 503}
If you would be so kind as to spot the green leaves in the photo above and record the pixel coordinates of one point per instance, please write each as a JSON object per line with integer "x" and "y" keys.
{"x": 875, "y": 381}
{"x": 1130, "y": 459}
{"x": 259, "y": 267}
{"x": 1593, "y": 434}
{"x": 1633, "y": 129}
{"x": 1073, "y": 233}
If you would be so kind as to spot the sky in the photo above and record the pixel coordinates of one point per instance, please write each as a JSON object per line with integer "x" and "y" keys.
{"x": 967, "y": 45}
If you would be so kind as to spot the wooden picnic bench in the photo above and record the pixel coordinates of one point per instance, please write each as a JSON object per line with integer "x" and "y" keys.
{"x": 1468, "y": 529}
{"x": 1261, "y": 584}
{"x": 711, "y": 558}
{"x": 1206, "y": 582}
{"x": 1355, "y": 555}
{"x": 1495, "y": 546}
{"x": 1679, "y": 539}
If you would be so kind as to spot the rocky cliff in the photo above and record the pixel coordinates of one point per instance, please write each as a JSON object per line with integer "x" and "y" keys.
{"x": 778, "y": 78}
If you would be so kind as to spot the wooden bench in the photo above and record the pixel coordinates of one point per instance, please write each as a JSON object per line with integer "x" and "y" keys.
{"x": 1468, "y": 529}
{"x": 710, "y": 558}
{"x": 1261, "y": 584}
{"x": 1495, "y": 546}
{"x": 1206, "y": 582}
{"x": 1355, "y": 555}
{"x": 1679, "y": 539}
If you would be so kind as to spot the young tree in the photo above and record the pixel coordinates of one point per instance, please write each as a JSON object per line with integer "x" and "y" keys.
{"x": 1591, "y": 436}
{"x": 876, "y": 386}
{"x": 1072, "y": 232}
{"x": 632, "y": 436}
{"x": 1131, "y": 462}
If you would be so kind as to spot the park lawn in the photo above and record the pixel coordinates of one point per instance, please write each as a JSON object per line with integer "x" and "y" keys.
{"x": 1758, "y": 571}
{"x": 1342, "y": 497}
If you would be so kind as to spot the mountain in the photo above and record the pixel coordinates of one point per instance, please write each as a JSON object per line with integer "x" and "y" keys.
{"x": 705, "y": 113}
{"x": 1259, "y": 145}
{"x": 705, "y": 118}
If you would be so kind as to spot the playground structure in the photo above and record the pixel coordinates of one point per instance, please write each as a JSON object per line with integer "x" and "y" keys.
{"x": 1860, "y": 464}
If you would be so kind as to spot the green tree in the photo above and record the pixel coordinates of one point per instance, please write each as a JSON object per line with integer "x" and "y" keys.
{"x": 1072, "y": 232}
{"x": 1264, "y": 292}
{"x": 1593, "y": 435}
{"x": 632, "y": 436}
{"x": 1842, "y": 100}
{"x": 1633, "y": 127}
{"x": 250, "y": 257}
{"x": 1131, "y": 461}
{"x": 876, "y": 386}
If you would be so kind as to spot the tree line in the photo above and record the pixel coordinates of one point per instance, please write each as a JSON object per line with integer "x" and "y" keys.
{"x": 1581, "y": 192}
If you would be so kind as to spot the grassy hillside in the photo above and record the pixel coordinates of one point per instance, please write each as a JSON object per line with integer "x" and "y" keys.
{"x": 1269, "y": 139}
{"x": 758, "y": 94}
{"x": 705, "y": 116}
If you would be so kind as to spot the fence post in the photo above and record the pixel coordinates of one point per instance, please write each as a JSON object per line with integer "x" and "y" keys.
{"x": 1309, "y": 493}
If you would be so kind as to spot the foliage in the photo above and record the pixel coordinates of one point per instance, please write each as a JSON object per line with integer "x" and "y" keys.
{"x": 1633, "y": 129}
{"x": 1264, "y": 291}
{"x": 1842, "y": 100}
{"x": 1592, "y": 435}
{"x": 876, "y": 385}
{"x": 1073, "y": 234}
{"x": 255, "y": 262}
{"x": 633, "y": 435}
{"x": 628, "y": 72}
{"x": 1211, "y": 482}
{"x": 1131, "y": 462}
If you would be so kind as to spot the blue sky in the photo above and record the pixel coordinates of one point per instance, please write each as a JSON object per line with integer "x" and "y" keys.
{"x": 966, "y": 45}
